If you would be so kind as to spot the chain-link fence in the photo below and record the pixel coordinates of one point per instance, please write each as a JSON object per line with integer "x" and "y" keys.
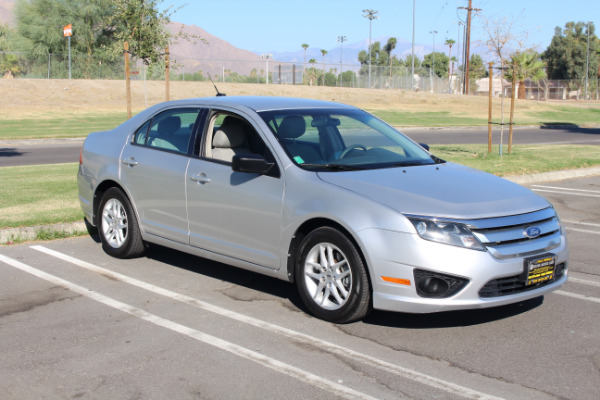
{"x": 269, "y": 71}
{"x": 56, "y": 66}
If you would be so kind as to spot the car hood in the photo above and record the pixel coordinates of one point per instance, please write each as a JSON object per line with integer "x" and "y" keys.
{"x": 444, "y": 191}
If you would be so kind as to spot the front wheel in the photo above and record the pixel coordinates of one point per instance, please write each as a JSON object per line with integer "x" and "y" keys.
{"x": 331, "y": 277}
{"x": 118, "y": 227}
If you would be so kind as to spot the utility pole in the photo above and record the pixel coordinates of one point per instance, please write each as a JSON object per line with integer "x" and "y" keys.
{"x": 468, "y": 43}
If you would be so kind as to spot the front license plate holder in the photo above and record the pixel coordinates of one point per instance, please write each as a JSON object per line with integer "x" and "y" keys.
{"x": 539, "y": 269}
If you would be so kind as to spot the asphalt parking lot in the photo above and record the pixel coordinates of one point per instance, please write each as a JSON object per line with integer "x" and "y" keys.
{"x": 75, "y": 323}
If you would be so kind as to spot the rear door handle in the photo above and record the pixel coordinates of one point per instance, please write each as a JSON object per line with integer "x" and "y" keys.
{"x": 200, "y": 178}
{"x": 130, "y": 163}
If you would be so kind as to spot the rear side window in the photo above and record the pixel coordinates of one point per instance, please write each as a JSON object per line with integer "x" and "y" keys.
{"x": 170, "y": 130}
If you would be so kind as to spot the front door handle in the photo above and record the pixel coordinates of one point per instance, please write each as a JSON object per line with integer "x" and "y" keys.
{"x": 200, "y": 178}
{"x": 130, "y": 163}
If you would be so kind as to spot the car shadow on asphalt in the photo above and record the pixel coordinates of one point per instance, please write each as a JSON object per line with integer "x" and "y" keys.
{"x": 451, "y": 319}
{"x": 227, "y": 273}
{"x": 566, "y": 126}
{"x": 10, "y": 152}
{"x": 287, "y": 291}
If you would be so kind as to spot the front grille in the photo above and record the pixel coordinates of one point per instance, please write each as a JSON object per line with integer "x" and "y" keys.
{"x": 516, "y": 284}
{"x": 505, "y": 237}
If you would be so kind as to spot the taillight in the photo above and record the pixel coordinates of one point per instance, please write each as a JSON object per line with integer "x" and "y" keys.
{"x": 81, "y": 156}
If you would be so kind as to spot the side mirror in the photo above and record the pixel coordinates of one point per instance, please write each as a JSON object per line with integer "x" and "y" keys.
{"x": 251, "y": 163}
{"x": 424, "y": 145}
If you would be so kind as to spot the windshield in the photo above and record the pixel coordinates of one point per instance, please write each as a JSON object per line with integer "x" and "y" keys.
{"x": 342, "y": 139}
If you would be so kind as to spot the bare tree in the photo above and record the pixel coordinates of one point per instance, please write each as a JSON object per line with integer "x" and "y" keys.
{"x": 503, "y": 40}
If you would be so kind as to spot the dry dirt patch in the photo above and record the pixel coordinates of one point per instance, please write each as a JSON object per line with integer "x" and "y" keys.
{"x": 39, "y": 96}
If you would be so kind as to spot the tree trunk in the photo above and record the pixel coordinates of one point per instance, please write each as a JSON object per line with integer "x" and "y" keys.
{"x": 521, "y": 91}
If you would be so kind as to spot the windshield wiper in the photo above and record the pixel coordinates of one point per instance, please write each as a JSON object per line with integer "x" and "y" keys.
{"x": 335, "y": 167}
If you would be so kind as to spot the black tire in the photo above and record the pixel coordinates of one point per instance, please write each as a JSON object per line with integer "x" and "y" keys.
{"x": 340, "y": 294}
{"x": 117, "y": 226}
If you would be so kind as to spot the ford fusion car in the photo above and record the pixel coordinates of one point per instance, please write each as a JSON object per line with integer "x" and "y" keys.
{"x": 324, "y": 195}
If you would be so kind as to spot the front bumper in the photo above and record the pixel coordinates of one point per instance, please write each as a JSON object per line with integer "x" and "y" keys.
{"x": 396, "y": 255}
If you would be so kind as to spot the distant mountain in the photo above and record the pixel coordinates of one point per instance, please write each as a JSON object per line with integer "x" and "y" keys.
{"x": 207, "y": 53}
{"x": 6, "y": 12}
{"x": 349, "y": 53}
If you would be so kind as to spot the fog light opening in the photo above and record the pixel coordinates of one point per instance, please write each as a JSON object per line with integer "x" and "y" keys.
{"x": 432, "y": 284}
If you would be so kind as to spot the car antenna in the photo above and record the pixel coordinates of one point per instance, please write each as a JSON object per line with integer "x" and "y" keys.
{"x": 218, "y": 93}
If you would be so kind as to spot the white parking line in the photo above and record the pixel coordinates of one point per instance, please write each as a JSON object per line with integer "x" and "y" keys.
{"x": 240, "y": 351}
{"x": 567, "y": 189}
{"x": 583, "y": 281}
{"x": 582, "y": 230}
{"x": 564, "y": 192}
{"x": 568, "y": 221}
{"x": 406, "y": 373}
{"x": 578, "y": 296}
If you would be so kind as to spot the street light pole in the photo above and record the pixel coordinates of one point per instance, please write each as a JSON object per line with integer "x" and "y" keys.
{"x": 432, "y": 70}
{"x": 341, "y": 39}
{"x": 266, "y": 58}
{"x": 412, "y": 71}
{"x": 371, "y": 14}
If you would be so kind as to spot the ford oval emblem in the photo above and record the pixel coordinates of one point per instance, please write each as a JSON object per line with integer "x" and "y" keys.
{"x": 532, "y": 232}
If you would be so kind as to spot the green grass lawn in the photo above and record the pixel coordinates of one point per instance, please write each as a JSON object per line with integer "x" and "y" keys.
{"x": 39, "y": 195}
{"x": 566, "y": 115}
{"x": 426, "y": 118}
{"x": 524, "y": 159}
{"x": 58, "y": 126}
{"x": 555, "y": 115}
{"x": 81, "y": 124}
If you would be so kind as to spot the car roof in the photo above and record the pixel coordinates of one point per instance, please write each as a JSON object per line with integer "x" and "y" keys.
{"x": 263, "y": 103}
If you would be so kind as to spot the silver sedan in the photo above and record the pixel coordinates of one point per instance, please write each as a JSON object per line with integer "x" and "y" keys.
{"x": 324, "y": 195}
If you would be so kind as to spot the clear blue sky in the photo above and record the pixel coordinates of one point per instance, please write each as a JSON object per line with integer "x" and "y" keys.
{"x": 282, "y": 25}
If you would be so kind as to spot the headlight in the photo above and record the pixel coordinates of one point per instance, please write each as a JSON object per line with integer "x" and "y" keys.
{"x": 447, "y": 232}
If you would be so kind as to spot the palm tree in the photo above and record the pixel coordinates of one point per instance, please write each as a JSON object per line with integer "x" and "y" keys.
{"x": 389, "y": 47}
{"x": 528, "y": 66}
{"x": 449, "y": 43}
{"x": 304, "y": 46}
{"x": 323, "y": 52}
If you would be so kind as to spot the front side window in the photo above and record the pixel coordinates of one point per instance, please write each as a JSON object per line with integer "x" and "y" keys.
{"x": 231, "y": 134}
{"x": 347, "y": 139}
{"x": 170, "y": 130}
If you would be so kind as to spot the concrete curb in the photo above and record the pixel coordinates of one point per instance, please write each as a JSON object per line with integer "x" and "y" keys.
{"x": 37, "y": 142}
{"x": 7, "y": 236}
{"x": 554, "y": 176}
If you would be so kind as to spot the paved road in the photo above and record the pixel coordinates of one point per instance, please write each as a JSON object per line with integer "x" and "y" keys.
{"x": 76, "y": 323}
{"x": 39, "y": 152}
{"x": 522, "y": 135}
{"x": 34, "y": 153}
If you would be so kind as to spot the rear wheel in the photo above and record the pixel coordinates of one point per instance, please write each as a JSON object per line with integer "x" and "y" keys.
{"x": 331, "y": 277}
{"x": 118, "y": 227}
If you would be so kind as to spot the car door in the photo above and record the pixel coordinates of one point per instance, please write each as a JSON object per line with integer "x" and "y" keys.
{"x": 234, "y": 213}
{"x": 153, "y": 171}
